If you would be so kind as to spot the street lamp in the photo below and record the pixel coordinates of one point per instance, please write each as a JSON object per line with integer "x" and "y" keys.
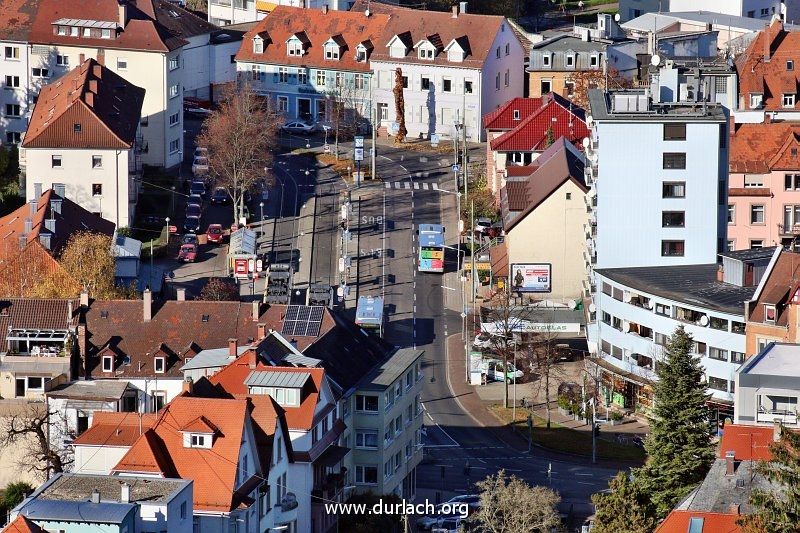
{"x": 261, "y": 208}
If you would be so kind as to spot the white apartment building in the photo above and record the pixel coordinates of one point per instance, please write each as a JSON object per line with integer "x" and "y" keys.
{"x": 758, "y": 9}
{"x": 14, "y": 101}
{"x": 225, "y": 12}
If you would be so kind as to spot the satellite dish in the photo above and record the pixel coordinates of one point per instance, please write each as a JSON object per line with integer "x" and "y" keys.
{"x": 626, "y": 326}
{"x": 585, "y": 142}
{"x": 616, "y": 17}
{"x": 627, "y": 297}
{"x": 655, "y": 60}
{"x": 704, "y": 320}
{"x": 592, "y": 308}
{"x": 366, "y": 12}
{"x": 650, "y": 303}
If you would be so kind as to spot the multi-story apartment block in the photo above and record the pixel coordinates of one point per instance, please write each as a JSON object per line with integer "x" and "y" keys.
{"x": 14, "y": 98}
{"x": 768, "y": 387}
{"x": 754, "y": 9}
{"x": 554, "y": 61}
{"x": 84, "y": 136}
{"x": 456, "y": 67}
{"x": 314, "y": 62}
{"x": 226, "y": 12}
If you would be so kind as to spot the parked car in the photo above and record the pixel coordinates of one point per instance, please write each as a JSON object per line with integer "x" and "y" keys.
{"x": 220, "y": 196}
{"x": 200, "y": 166}
{"x": 496, "y": 230}
{"x": 187, "y": 253}
{"x": 191, "y": 225}
{"x": 483, "y": 341}
{"x": 493, "y": 368}
{"x": 197, "y": 187}
{"x": 214, "y": 233}
{"x": 201, "y": 151}
{"x": 482, "y": 224}
{"x": 195, "y": 199}
{"x": 193, "y": 210}
{"x": 190, "y": 238}
{"x": 450, "y": 524}
{"x": 472, "y": 500}
{"x": 298, "y": 126}
{"x": 196, "y": 106}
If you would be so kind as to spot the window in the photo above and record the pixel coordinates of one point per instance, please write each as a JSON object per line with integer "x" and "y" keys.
{"x": 294, "y": 48}
{"x": 545, "y": 86}
{"x": 258, "y": 45}
{"x": 62, "y": 61}
{"x": 405, "y": 82}
{"x": 122, "y": 63}
{"x": 508, "y": 49}
{"x": 425, "y": 83}
{"x": 673, "y": 189}
{"x": 731, "y": 245}
{"x": 97, "y": 161}
{"x": 788, "y": 100}
{"x": 753, "y": 181}
{"x": 398, "y": 460}
{"x": 366, "y": 403}
{"x": 105, "y": 34}
{"x": 159, "y": 364}
{"x": 738, "y": 327}
{"x": 321, "y": 78}
{"x": 570, "y": 87}
{"x": 174, "y": 119}
{"x": 360, "y": 81}
{"x": 174, "y": 62}
{"x": 757, "y": 214}
{"x": 737, "y": 357}
{"x": 769, "y": 313}
{"x": 12, "y": 81}
{"x": 498, "y": 52}
{"x": 756, "y": 244}
{"x": 55, "y": 161}
{"x": 751, "y": 14}
{"x": 383, "y": 111}
{"x": 425, "y": 52}
{"x": 331, "y": 51}
{"x": 789, "y": 64}
{"x": 756, "y": 99}
{"x": 366, "y": 439}
{"x": 507, "y": 77}
{"x": 546, "y": 60}
{"x": 40, "y": 72}
{"x": 361, "y": 55}
{"x": 674, "y": 161}
{"x": 35, "y": 383}
{"x": 605, "y": 318}
{"x": 569, "y": 196}
{"x": 283, "y": 104}
{"x": 367, "y": 475}
{"x": 699, "y": 348}
{"x": 721, "y": 85}
{"x": 673, "y": 219}
{"x": 663, "y": 310}
{"x": 731, "y": 214}
{"x": 594, "y": 61}
{"x": 791, "y": 182}
{"x": 339, "y": 79}
{"x": 718, "y": 323}
{"x": 12, "y": 52}
{"x": 467, "y": 86}
{"x": 764, "y": 11}
{"x": 174, "y": 145}
{"x": 174, "y": 90}
{"x": 108, "y": 363}
{"x": 387, "y": 469}
{"x": 447, "y": 85}
{"x": 302, "y": 76}
{"x": 87, "y": 32}
{"x": 672, "y": 248}
{"x": 62, "y": 30}
{"x": 570, "y": 60}
{"x": 13, "y": 137}
{"x": 12, "y": 110}
{"x": 73, "y": 31}
{"x": 674, "y": 132}
{"x": 718, "y": 384}
{"x": 183, "y": 511}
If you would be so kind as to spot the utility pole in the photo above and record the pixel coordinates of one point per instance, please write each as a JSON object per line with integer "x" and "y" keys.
{"x": 464, "y": 133}
{"x": 472, "y": 216}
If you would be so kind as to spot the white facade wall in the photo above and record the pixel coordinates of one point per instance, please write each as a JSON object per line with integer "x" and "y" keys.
{"x": 147, "y": 386}
{"x": 14, "y": 127}
{"x": 760, "y": 9}
{"x": 632, "y": 343}
{"x": 630, "y": 189}
{"x": 77, "y": 173}
{"x": 167, "y": 517}
{"x": 224, "y": 12}
{"x": 97, "y": 459}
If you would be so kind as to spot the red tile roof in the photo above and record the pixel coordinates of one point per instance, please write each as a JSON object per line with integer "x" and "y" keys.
{"x": 22, "y": 275}
{"x": 231, "y": 380}
{"x": 678, "y": 522}
{"x": 777, "y": 289}
{"x": 502, "y": 118}
{"x": 200, "y": 425}
{"x": 530, "y": 135}
{"x": 760, "y": 148}
{"x": 161, "y": 449}
{"x": 22, "y": 525}
{"x": 16, "y": 18}
{"x": 89, "y": 107}
{"x": 747, "y": 442}
{"x": 349, "y": 28}
{"x": 762, "y": 67}
{"x": 115, "y": 429}
{"x": 518, "y": 171}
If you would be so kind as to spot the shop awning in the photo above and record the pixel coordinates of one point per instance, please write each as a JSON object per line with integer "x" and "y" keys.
{"x": 618, "y": 372}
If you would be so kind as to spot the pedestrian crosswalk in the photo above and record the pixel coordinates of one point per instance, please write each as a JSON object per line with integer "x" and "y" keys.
{"x": 411, "y": 185}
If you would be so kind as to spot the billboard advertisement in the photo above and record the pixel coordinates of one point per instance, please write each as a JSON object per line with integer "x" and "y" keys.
{"x": 531, "y": 277}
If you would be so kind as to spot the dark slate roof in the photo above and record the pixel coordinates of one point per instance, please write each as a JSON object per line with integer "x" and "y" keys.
{"x": 87, "y": 512}
{"x": 691, "y": 284}
{"x": 36, "y": 313}
{"x": 393, "y": 368}
{"x": 750, "y": 255}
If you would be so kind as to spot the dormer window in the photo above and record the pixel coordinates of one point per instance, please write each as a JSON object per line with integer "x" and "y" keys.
{"x": 108, "y": 363}
{"x": 457, "y": 49}
{"x": 569, "y": 59}
{"x": 769, "y": 313}
{"x": 789, "y": 65}
{"x": 258, "y": 45}
{"x": 332, "y": 51}
{"x": 294, "y": 48}
{"x": 594, "y": 60}
{"x": 516, "y": 114}
{"x": 426, "y": 53}
{"x": 200, "y": 441}
{"x": 199, "y": 433}
{"x": 160, "y": 364}
{"x": 755, "y": 100}
{"x": 361, "y": 53}
{"x": 788, "y": 99}
{"x": 546, "y": 60}
{"x": 284, "y": 387}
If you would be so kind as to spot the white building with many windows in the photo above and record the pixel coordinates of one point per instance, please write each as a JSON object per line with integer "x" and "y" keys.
{"x": 14, "y": 69}
{"x": 226, "y": 12}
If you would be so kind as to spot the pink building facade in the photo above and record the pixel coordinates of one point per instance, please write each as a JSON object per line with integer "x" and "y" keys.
{"x": 764, "y": 186}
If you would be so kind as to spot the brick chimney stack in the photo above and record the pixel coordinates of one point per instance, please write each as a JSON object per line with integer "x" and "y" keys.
{"x": 730, "y": 457}
{"x": 233, "y": 347}
{"x": 147, "y": 304}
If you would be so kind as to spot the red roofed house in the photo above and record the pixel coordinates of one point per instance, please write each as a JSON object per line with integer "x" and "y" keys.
{"x": 521, "y": 130}
{"x": 764, "y": 185}
{"x": 82, "y": 141}
{"x": 22, "y": 525}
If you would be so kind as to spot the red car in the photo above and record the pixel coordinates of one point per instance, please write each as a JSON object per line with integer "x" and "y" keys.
{"x": 214, "y": 233}
{"x": 187, "y": 253}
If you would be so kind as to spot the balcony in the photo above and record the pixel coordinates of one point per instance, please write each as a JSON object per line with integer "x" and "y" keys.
{"x": 769, "y": 416}
{"x": 785, "y": 230}
{"x": 38, "y": 342}
{"x": 589, "y": 258}
{"x": 330, "y": 487}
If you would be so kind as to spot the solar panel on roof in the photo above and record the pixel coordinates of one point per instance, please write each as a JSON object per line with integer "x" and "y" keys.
{"x": 303, "y": 320}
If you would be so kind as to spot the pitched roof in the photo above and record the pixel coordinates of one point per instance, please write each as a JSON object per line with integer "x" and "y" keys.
{"x": 89, "y": 107}
{"x": 502, "y": 118}
{"x": 780, "y": 283}
{"x": 199, "y": 425}
{"x": 37, "y": 313}
{"x": 762, "y": 67}
{"x": 69, "y": 218}
{"x": 22, "y": 525}
{"x": 558, "y": 164}
{"x": 679, "y": 521}
{"x": 213, "y": 470}
{"x": 151, "y": 25}
{"x": 565, "y": 119}
{"x": 477, "y": 30}
{"x": 347, "y": 28}
{"x": 16, "y": 19}
{"x": 762, "y": 147}
{"x": 747, "y": 442}
{"x": 177, "y": 329}
{"x": 115, "y": 429}
{"x": 22, "y": 275}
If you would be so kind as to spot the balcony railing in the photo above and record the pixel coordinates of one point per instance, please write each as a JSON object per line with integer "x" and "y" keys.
{"x": 789, "y": 230}
{"x": 769, "y": 416}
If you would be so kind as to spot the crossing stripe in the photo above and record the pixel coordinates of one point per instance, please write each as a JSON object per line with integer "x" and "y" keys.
{"x": 434, "y": 187}
{"x": 416, "y": 186}
{"x": 406, "y": 185}
{"x": 387, "y": 185}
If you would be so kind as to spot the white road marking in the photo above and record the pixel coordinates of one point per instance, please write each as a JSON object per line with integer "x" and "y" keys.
{"x": 387, "y": 185}
{"x": 434, "y": 187}
{"x": 406, "y": 185}
{"x": 416, "y": 186}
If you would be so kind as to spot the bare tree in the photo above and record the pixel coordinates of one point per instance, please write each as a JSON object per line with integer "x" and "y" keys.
{"x": 399, "y": 106}
{"x": 349, "y": 99}
{"x": 240, "y": 136}
{"x": 28, "y": 430}
{"x": 509, "y": 505}
{"x": 505, "y": 321}
{"x": 543, "y": 356}
{"x": 592, "y": 79}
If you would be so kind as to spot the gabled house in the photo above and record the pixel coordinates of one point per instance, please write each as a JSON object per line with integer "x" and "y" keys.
{"x": 83, "y": 138}
{"x": 314, "y": 62}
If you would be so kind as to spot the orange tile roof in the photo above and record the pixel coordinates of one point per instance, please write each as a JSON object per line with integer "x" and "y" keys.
{"x": 760, "y": 148}
{"x": 777, "y": 289}
{"x": 200, "y": 425}
{"x": 106, "y": 107}
{"x": 22, "y": 525}
{"x": 347, "y": 27}
{"x": 231, "y": 379}
{"x": 678, "y": 522}
{"x": 115, "y": 429}
{"x": 747, "y": 442}
{"x": 213, "y": 470}
{"x": 769, "y": 75}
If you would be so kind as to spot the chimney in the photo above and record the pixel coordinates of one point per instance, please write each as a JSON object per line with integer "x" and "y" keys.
{"x": 767, "y": 118}
{"x": 455, "y": 12}
{"x": 188, "y": 385}
{"x": 325, "y": 9}
{"x": 69, "y": 311}
{"x": 84, "y": 299}
{"x": 28, "y": 226}
{"x": 181, "y": 294}
{"x": 777, "y": 429}
{"x": 23, "y": 240}
{"x": 81, "y": 338}
{"x": 89, "y": 99}
{"x": 50, "y": 225}
{"x": 81, "y": 59}
{"x": 125, "y": 496}
{"x": 122, "y": 11}
{"x": 101, "y": 60}
{"x": 147, "y": 299}
{"x": 34, "y": 206}
{"x": 95, "y": 496}
{"x": 233, "y": 347}
{"x": 256, "y": 311}
{"x": 733, "y": 509}
{"x": 720, "y": 273}
{"x": 730, "y": 456}
{"x": 55, "y": 206}
{"x": 462, "y": 6}
{"x": 252, "y": 359}
{"x": 262, "y": 330}
{"x": 767, "y": 44}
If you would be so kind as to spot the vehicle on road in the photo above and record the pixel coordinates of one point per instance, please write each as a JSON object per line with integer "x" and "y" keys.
{"x": 483, "y": 341}
{"x": 187, "y": 253}
{"x": 431, "y": 248}
{"x": 369, "y": 314}
{"x": 298, "y": 126}
{"x": 472, "y": 500}
{"x": 220, "y": 196}
{"x": 190, "y": 238}
{"x": 214, "y": 233}
{"x": 196, "y": 106}
{"x": 195, "y": 199}
{"x": 193, "y": 210}
{"x": 201, "y": 151}
{"x": 482, "y": 224}
{"x": 197, "y": 187}
{"x": 451, "y": 524}
{"x": 493, "y": 368}
{"x": 191, "y": 225}
{"x": 199, "y": 166}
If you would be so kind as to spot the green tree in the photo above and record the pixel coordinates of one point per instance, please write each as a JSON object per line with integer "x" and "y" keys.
{"x": 777, "y": 512}
{"x": 370, "y": 522}
{"x": 15, "y": 492}
{"x": 550, "y": 137}
{"x": 625, "y": 509}
{"x": 679, "y": 446}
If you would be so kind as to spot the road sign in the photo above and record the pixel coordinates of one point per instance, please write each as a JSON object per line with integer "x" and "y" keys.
{"x": 434, "y": 140}
{"x": 456, "y": 168}
{"x": 358, "y": 141}
{"x": 358, "y": 154}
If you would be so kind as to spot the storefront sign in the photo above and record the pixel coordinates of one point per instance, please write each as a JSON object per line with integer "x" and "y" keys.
{"x": 525, "y": 326}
